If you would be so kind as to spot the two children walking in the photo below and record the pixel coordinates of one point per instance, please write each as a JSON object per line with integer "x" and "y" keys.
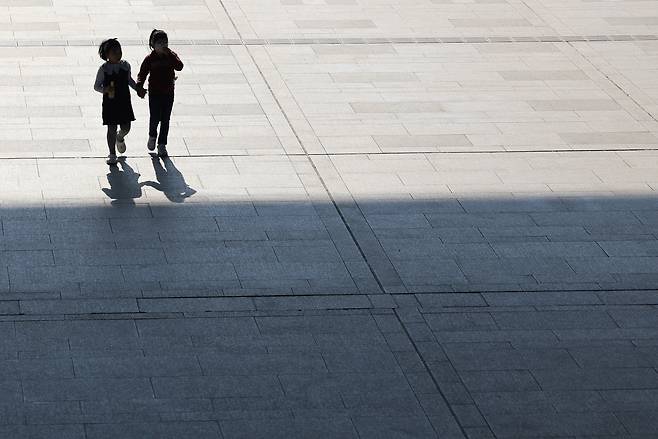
{"x": 114, "y": 80}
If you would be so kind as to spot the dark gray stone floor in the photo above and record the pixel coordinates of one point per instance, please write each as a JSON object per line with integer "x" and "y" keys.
{"x": 379, "y": 220}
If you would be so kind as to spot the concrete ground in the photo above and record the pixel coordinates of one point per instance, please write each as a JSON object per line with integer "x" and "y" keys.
{"x": 380, "y": 219}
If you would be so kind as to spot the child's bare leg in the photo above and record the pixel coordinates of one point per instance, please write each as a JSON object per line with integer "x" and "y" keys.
{"x": 112, "y": 139}
{"x": 125, "y": 129}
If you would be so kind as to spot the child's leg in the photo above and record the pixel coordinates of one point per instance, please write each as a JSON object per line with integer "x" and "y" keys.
{"x": 167, "y": 106}
{"x": 155, "y": 114}
{"x": 121, "y": 144}
{"x": 125, "y": 129}
{"x": 112, "y": 139}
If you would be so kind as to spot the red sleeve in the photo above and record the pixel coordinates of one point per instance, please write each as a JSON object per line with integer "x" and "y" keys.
{"x": 143, "y": 71}
{"x": 178, "y": 64}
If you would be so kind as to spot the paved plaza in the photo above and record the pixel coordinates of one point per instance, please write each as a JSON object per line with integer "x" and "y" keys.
{"x": 380, "y": 219}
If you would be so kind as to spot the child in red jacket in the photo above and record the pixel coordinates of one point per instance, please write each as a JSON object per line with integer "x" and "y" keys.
{"x": 159, "y": 65}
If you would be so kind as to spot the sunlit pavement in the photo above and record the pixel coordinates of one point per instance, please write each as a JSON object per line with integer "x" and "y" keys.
{"x": 379, "y": 220}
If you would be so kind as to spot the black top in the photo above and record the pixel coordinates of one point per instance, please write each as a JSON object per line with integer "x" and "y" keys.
{"x": 117, "y": 110}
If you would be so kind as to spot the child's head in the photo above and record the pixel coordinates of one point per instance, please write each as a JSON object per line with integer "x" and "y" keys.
{"x": 110, "y": 50}
{"x": 158, "y": 40}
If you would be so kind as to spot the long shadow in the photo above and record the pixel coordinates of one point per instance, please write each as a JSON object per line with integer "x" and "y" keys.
{"x": 124, "y": 184}
{"x": 170, "y": 181}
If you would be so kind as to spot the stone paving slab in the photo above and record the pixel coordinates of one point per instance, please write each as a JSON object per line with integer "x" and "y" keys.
{"x": 230, "y": 113}
{"x": 363, "y": 19}
{"x": 450, "y": 237}
{"x": 399, "y": 219}
{"x": 452, "y": 98}
{"x": 84, "y": 21}
{"x": 628, "y": 65}
{"x": 393, "y": 103}
{"x": 519, "y": 377}
{"x": 232, "y": 238}
{"x": 233, "y": 369}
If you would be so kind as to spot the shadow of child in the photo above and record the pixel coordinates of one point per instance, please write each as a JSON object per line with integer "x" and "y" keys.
{"x": 124, "y": 184}
{"x": 170, "y": 181}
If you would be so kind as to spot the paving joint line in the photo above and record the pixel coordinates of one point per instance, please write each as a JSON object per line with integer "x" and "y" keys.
{"x": 432, "y": 377}
{"x": 338, "y": 154}
{"x": 419, "y": 293}
{"x": 306, "y": 154}
{"x": 342, "y": 41}
{"x": 613, "y": 82}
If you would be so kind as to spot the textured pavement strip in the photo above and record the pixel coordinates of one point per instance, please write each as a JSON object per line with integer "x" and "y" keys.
{"x": 278, "y": 300}
{"x": 354, "y": 40}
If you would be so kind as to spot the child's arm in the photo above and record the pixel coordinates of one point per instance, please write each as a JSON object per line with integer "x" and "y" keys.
{"x": 143, "y": 72}
{"x": 178, "y": 64}
{"x": 100, "y": 77}
{"x": 131, "y": 81}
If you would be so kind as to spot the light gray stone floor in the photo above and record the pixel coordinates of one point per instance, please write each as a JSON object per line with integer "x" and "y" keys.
{"x": 380, "y": 219}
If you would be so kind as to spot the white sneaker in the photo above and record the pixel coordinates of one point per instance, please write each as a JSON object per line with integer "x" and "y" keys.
{"x": 111, "y": 159}
{"x": 121, "y": 145}
{"x": 162, "y": 151}
{"x": 151, "y": 143}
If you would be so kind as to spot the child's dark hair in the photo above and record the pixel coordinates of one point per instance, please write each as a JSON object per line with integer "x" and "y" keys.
{"x": 107, "y": 46}
{"x": 158, "y": 35}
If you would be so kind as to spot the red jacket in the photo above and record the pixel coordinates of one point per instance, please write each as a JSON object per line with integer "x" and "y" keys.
{"x": 160, "y": 69}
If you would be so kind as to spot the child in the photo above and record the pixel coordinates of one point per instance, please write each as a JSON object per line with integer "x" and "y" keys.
{"x": 160, "y": 65}
{"x": 113, "y": 79}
